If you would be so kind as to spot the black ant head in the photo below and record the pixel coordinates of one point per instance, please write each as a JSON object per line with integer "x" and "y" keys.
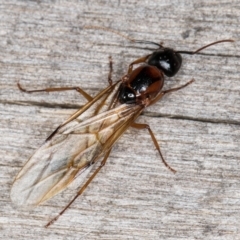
{"x": 166, "y": 60}
{"x": 169, "y": 61}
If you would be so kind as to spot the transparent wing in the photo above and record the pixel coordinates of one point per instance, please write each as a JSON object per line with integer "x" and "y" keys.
{"x": 77, "y": 144}
{"x": 104, "y": 101}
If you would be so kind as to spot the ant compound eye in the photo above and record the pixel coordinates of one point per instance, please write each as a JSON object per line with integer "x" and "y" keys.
{"x": 130, "y": 96}
{"x": 127, "y": 95}
{"x": 166, "y": 60}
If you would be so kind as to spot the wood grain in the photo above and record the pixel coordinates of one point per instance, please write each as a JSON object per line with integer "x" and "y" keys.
{"x": 44, "y": 44}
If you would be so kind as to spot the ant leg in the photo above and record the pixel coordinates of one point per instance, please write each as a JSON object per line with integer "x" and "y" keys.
{"x": 146, "y": 126}
{"x": 161, "y": 94}
{"x": 178, "y": 88}
{"x": 81, "y": 189}
{"x": 139, "y": 60}
{"x": 110, "y": 71}
{"x": 59, "y": 89}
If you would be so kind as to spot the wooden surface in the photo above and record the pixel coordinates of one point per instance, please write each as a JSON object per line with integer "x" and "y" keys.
{"x": 44, "y": 44}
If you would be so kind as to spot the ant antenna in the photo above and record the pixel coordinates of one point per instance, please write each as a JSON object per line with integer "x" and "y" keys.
{"x": 206, "y": 46}
{"x": 149, "y": 42}
{"x": 112, "y": 31}
{"x": 122, "y": 35}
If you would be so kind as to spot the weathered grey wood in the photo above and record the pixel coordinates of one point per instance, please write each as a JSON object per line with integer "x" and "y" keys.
{"x": 43, "y": 43}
